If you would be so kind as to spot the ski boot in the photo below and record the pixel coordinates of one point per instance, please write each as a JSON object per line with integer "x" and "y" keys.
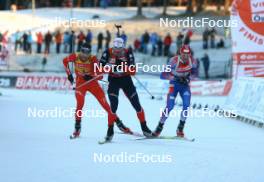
{"x": 158, "y": 129}
{"x": 110, "y": 133}
{"x": 146, "y": 131}
{"x": 77, "y": 130}
{"x": 122, "y": 127}
{"x": 179, "y": 131}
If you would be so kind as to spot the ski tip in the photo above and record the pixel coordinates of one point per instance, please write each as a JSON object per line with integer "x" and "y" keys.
{"x": 73, "y": 137}
{"x": 103, "y": 142}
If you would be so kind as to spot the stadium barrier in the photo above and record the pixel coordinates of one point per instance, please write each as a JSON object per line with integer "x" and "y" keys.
{"x": 247, "y": 99}
{"x": 57, "y": 81}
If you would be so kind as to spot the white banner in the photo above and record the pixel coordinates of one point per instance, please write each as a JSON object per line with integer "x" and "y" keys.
{"x": 247, "y": 98}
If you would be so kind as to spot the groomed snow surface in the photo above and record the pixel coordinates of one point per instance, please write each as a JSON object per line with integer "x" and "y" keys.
{"x": 39, "y": 149}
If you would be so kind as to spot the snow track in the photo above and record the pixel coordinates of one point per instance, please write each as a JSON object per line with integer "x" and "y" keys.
{"x": 39, "y": 149}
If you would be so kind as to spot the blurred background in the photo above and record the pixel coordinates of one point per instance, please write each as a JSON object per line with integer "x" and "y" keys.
{"x": 34, "y": 39}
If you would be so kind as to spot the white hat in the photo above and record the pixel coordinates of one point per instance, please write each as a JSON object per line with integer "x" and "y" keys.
{"x": 118, "y": 42}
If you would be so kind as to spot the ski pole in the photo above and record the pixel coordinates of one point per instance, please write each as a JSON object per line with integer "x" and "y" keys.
{"x": 118, "y": 29}
{"x": 104, "y": 81}
{"x": 152, "y": 97}
{"x": 94, "y": 78}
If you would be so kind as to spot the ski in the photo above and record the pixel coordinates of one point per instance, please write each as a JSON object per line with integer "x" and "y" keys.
{"x": 142, "y": 137}
{"x": 103, "y": 142}
{"x": 133, "y": 134}
{"x": 168, "y": 138}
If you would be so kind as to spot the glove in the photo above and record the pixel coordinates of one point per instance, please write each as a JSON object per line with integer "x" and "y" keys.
{"x": 182, "y": 80}
{"x": 70, "y": 78}
{"x": 87, "y": 77}
{"x": 118, "y": 62}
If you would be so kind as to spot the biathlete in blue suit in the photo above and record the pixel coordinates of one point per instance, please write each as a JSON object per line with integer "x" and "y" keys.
{"x": 179, "y": 77}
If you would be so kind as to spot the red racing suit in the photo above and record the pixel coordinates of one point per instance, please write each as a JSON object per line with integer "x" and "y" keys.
{"x": 83, "y": 68}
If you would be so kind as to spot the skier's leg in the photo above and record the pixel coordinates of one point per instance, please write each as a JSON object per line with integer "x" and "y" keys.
{"x": 113, "y": 92}
{"x": 165, "y": 114}
{"x": 130, "y": 91}
{"x": 186, "y": 99}
{"x": 80, "y": 96}
{"x": 185, "y": 94}
{"x": 170, "y": 103}
{"x": 98, "y": 92}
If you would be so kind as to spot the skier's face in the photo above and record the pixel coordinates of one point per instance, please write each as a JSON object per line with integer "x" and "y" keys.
{"x": 184, "y": 57}
{"x": 84, "y": 56}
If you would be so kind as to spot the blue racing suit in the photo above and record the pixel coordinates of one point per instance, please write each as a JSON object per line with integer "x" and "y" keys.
{"x": 179, "y": 83}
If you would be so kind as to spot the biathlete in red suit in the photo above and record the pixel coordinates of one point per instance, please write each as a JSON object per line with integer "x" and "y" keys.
{"x": 119, "y": 57}
{"x": 86, "y": 80}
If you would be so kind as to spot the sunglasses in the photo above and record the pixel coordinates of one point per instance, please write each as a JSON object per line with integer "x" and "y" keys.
{"x": 86, "y": 50}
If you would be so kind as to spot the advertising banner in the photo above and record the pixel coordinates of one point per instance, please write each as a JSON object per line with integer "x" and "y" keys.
{"x": 248, "y": 38}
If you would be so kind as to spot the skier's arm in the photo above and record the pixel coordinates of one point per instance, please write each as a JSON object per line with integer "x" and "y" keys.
{"x": 104, "y": 61}
{"x": 131, "y": 62}
{"x": 105, "y": 58}
{"x": 96, "y": 72}
{"x": 67, "y": 60}
{"x": 167, "y": 75}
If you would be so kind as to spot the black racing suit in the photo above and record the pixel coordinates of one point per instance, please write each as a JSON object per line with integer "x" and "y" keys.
{"x": 122, "y": 80}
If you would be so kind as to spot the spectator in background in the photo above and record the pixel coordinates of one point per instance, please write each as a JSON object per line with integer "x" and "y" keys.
{"x": 179, "y": 41}
{"x": 72, "y": 42}
{"x": 124, "y": 37}
{"x": 25, "y": 42}
{"x": 187, "y": 37}
{"x": 29, "y": 42}
{"x": 220, "y": 44}
{"x": 145, "y": 42}
{"x": 1, "y": 38}
{"x": 81, "y": 39}
{"x": 100, "y": 38}
{"x": 44, "y": 60}
{"x": 39, "y": 42}
{"x": 206, "y": 64}
{"x": 4, "y": 38}
{"x": 160, "y": 46}
{"x": 4, "y": 54}
{"x": 167, "y": 44}
{"x": 136, "y": 45}
{"x": 89, "y": 37}
{"x": 107, "y": 39}
{"x": 58, "y": 40}
{"x": 18, "y": 43}
{"x": 104, "y": 3}
{"x": 48, "y": 40}
{"x": 66, "y": 42}
{"x": 154, "y": 41}
{"x": 205, "y": 38}
{"x": 195, "y": 68}
{"x": 212, "y": 34}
